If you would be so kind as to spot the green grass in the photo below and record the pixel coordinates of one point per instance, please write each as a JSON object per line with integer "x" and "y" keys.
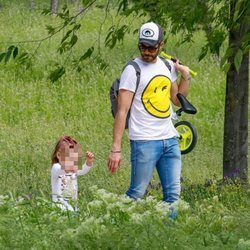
{"x": 35, "y": 112}
{"x": 110, "y": 221}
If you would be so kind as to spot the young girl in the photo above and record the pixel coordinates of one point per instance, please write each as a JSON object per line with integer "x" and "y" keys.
{"x": 64, "y": 171}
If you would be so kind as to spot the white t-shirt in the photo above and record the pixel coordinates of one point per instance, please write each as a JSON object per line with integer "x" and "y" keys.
{"x": 64, "y": 185}
{"x": 150, "y": 114}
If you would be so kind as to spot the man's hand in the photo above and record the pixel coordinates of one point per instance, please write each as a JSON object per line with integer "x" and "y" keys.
{"x": 114, "y": 161}
{"x": 184, "y": 70}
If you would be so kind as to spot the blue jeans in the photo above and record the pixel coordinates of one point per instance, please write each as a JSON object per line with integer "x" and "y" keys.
{"x": 165, "y": 155}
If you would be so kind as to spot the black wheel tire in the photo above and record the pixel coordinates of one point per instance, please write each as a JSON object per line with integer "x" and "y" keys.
{"x": 183, "y": 126}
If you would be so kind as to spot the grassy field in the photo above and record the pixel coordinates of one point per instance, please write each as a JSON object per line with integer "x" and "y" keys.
{"x": 35, "y": 112}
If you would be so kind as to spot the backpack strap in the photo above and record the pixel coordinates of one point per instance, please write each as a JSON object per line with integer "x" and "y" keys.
{"x": 138, "y": 77}
{"x": 137, "y": 70}
{"x": 166, "y": 62}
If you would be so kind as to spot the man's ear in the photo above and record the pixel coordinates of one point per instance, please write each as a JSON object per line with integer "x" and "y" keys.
{"x": 161, "y": 44}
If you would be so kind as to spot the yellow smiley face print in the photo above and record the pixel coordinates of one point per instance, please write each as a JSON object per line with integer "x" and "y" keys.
{"x": 156, "y": 97}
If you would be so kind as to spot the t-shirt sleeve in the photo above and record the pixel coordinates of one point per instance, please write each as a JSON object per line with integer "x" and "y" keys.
{"x": 128, "y": 79}
{"x": 174, "y": 72}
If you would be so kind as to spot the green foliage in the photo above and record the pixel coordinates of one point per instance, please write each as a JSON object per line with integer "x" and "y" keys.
{"x": 12, "y": 50}
{"x": 188, "y": 16}
{"x": 238, "y": 59}
{"x": 69, "y": 23}
{"x": 115, "y": 34}
{"x": 56, "y": 74}
{"x": 87, "y": 54}
{"x": 21, "y": 59}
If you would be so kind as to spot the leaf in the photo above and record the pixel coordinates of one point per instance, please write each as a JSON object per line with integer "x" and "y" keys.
{"x": 77, "y": 27}
{"x": 121, "y": 32}
{"x": 50, "y": 29}
{"x": 228, "y": 54}
{"x": 111, "y": 39}
{"x": 73, "y": 40}
{"x": 238, "y": 10}
{"x": 238, "y": 59}
{"x": 8, "y": 54}
{"x": 2, "y": 56}
{"x": 111, "y": 31}
{"x": 64, "y": 47}
{"x": 66, "y": 36}
{"x": 226, "y": 67}
{"x": 65, "y": 8}
{"x": 15, "y": 52}
{"x": 246, "y": 42}
{"x": 203, "y": 53}
{"x": 56, "y": 74}
{"x": 216, "y": 38}
{"x": 11, "y": 47}
{"x": 87, "y": 54}
{"x": 122, "y": 6}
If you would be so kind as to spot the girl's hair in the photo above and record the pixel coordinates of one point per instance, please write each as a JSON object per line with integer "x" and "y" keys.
{"x": 60, "y": 144}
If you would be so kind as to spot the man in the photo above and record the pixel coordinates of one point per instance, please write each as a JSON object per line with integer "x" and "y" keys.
{"x": 153, "y": 138}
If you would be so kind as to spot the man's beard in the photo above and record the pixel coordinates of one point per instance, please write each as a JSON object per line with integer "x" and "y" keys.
{"x": 149, "y": 58}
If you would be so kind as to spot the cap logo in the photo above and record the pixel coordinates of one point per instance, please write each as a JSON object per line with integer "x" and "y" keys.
{"x": 148, "y": 33}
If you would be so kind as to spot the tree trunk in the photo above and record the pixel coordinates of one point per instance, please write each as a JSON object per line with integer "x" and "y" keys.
{"x": 54, "y": 6}
{"x": 236, "y": 110}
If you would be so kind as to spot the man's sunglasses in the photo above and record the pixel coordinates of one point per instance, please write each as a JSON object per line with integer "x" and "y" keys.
{"x": 150, "y": 49}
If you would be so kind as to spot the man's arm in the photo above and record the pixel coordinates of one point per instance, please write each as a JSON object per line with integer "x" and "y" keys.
{"x": 125, "y": 98}
{"x": 183, "y": 85}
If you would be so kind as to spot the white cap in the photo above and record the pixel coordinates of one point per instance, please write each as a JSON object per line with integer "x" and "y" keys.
{"x": 151, "y": 34}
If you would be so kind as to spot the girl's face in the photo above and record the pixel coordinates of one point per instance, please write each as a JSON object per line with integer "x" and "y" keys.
{"x": 68, "y": 157}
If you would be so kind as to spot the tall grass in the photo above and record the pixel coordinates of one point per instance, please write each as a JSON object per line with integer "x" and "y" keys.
{"x": 35, "y": 112}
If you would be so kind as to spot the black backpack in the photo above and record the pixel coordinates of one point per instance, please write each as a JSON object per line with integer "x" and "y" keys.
{"x": 114, "y": 89}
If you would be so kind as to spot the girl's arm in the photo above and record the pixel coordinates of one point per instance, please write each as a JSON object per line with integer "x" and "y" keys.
{"x": 88, "y": 163}
{"x": 56, "y": 170}
{"x": 85, "y": 169}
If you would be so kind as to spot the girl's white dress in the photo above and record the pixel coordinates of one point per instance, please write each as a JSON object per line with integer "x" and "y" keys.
{"x": 64, "y": 186}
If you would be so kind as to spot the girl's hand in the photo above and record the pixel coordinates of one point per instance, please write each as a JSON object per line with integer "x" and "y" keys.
{"x": 89, "y": 156}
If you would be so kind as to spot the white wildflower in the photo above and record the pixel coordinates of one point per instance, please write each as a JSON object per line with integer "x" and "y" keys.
{"x": 162, "y": 209}
{"x": 150, "y": 199}
{"x": 126, "y": 199}
{"x": 147, "y": 215}
{"x": 243, "y": 244}
{"x": 137, "y": 218}
{"x": 3, "y": 199}
{"x": 93, "y": 188}
{"x": 95, "y": 204}
{"x": 132, "y": 208}
{"x": 215, "y": 198}
{"x": 183, "y": 205}
{"x": 90, "y": 224}
{"x": 106, "y": 196}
